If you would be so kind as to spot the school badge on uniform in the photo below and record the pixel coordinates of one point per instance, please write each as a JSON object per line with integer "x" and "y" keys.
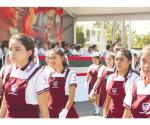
{"x": 55, "y": 84}
{"x": 114, "y": 90}
{"x": 14, "y": 89}
{"x": 145, "y": 107}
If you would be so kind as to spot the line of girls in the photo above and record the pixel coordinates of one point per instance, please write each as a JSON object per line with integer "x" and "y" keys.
{"x": 125, "y": 93}
{"x": 96, "y": 77}
{"x": 30, "y": 91}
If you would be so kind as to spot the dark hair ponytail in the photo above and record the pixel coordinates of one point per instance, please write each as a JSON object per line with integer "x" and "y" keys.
{"x": 26, "y": 41}
{"x": 61, "y": 53}
{"x": 128, "y": 55}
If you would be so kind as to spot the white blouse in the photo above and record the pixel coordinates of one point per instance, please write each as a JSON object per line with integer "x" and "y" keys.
{"x": 131, "y": 77}
{"x": 142, "y": 89}
{"x": 36, "y": 85}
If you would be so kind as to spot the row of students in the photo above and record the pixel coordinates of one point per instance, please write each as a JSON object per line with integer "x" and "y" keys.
{"x": 103, "y": 79}
{"x": 30, "y": 91}
{"x": 127, "y": 91}
{"x": 98, "y": 85}
{"x": 94, "y": 70}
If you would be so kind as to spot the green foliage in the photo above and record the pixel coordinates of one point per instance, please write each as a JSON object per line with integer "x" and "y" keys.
{"x": 80, "y": 36}
{"x": 140, "y": 41}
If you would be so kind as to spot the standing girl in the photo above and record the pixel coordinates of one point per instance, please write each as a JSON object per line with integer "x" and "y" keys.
{"x": 137, "y": 100}
{"x": 101, "y": 80}
{"x": 118, "y": 83}
{"x": 62, "y": 86}
{"x": 94, "y": 70}
{"x": 24, "y": 85}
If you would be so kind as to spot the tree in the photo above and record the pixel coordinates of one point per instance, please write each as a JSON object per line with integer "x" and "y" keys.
{"x": 80, "y": 36}
{"x": 140, "y": 41}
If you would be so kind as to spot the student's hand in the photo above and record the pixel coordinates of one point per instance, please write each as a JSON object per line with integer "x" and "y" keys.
{"x": 91, "y": 97}
{"x": 63, "y": 113}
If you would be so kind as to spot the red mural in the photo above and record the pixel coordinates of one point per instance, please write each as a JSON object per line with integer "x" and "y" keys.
{"x": 45, "y": 24}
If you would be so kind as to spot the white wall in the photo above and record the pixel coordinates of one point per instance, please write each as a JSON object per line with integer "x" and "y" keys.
{"x": 69, "y": 33}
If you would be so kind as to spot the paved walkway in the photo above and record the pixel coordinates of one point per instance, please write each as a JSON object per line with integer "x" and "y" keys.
{"x": 85, "y": 110}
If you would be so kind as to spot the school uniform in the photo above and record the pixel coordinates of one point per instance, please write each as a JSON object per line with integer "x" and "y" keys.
{"x": 102, "y": 91}
{"x": 138, "y": 99}
{"x": 21, "y": 87}
{"x": 117, "y": 87}
{"x": 94, "y": 71}
{"x": 100, "y": 72}
{"x": 59, "y": 84}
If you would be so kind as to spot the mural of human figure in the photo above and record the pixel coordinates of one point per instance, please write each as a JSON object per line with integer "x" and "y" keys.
{"x": 42, "y": 23}
{"x": 48, "y": 23}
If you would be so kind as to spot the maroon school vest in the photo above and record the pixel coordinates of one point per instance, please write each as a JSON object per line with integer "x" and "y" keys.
{"x": 103, "y": 91}
{"x": 93, "y": 73}
{"x": 14, "y": 89}
{"x": 59, "y": 99}
{"x": 116, "y": 91}
{"x": 140, "y": 106}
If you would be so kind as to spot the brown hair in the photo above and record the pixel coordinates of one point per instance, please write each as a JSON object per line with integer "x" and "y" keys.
{"x": 112, "y": 55}
{"x": 26, "y": 41}
{"x": 61, "y": 53}
{"x": 99, "y": 58}
{"x": 127, "y": 54}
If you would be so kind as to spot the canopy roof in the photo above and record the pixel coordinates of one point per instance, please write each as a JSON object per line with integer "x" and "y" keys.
{"x": 108, "y": 13}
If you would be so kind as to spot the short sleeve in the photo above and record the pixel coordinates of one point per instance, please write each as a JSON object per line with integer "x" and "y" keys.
{"x": 41, "y": 84}
{"x": 128, "y": 98}
{"x": 71, "y": 80}
{"x": 100, "y": 71}
{"x": 108, "y": 81}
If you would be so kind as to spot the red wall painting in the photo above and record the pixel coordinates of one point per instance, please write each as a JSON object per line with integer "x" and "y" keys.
{"x": 45, "y": 24}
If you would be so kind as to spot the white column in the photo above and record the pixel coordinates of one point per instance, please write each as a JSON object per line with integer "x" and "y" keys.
{"x": 74, "y": 27}
{"x": 114, "y": 31}
{"x": 123, "y": 33}
{"x": 103, "y": 38}
{"x": 129, "y": 37}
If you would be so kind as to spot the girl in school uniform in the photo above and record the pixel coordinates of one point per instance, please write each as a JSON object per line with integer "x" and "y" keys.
{"x": 24, "y": 85}
{"x": 137, "y": 100}
{"x": 62, "y": 86}
{"x": 118, "y": 83}
{"x": 7, "y": 62}
{"x": 110, "y": 62}
{"x": 93, "y": 70}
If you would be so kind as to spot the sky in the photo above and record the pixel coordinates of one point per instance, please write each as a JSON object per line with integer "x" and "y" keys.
{"x": 141, "y": 27}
